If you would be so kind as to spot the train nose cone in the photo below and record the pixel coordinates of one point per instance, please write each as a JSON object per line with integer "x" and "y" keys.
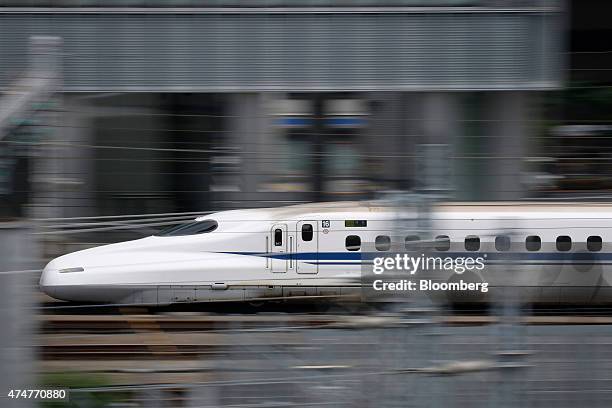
{"x": 48, "y": 279}
{"x": 63, "y": 278}
{"x": 56, "y": 279}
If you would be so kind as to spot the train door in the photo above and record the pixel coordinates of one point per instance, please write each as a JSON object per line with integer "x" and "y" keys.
{"x": 279, "y": 254}
{"x": 307, "y": 249}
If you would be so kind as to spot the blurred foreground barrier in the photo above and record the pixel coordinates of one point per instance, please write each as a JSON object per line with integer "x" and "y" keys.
{"x": 17, "y": 252}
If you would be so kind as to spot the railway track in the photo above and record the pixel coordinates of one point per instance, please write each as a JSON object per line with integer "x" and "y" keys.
{"x": 130, "y": 323}
{"x": 119, "y": 337}
{"x": 267, "y": 353}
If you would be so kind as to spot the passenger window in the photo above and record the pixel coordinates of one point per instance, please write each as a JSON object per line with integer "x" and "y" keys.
{"x": 306, "y": 232}
{"x": 353, "y": 243}
{"x": 502, "y": 243}
{"x": 411, "y": 243}
{"x": 382, "y": 243}
{"x": 472, "y": 243}
{"x": 442, "y": 243}
{"x": 278, "y": 237}
{"x": 594, "y": 243}
{"x": 564, "y": 243}
{"x": 533, "y": 243}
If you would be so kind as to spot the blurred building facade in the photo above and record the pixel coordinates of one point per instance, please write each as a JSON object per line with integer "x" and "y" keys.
{"x": 198, "y": 105}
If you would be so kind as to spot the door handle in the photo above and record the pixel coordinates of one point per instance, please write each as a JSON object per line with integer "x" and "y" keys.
{"x": 290, "y": 252}
{"x": 267, "y": 252}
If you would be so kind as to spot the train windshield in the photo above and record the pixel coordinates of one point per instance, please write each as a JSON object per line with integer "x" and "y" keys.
{"x": 191, "y": 228}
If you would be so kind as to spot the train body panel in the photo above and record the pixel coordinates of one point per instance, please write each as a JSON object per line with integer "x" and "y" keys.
{"x": 321, "y": 249}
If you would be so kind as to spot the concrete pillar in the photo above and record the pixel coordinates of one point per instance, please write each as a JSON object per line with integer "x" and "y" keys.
{"x": 77, "y": 177}
{"x": 391, "y": 137}
{"x": 45, "y": 63}
{"x": 250, "y": 128}
{"x": 440, "y": 117}
{"x": 191, "y": 125}
{"x": 507, "y": 132}
{"x": 440, "y": 127}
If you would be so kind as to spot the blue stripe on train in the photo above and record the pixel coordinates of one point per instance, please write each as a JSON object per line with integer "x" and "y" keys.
{"x": 489, "y": 256}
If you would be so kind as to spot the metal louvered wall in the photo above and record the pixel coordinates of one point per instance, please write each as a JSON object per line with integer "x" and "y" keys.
{"x": 307, "y": 49}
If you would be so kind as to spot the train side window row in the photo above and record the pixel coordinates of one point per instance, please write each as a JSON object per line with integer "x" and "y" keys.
{"x": 532, "y": 243}
{"x": 563, "y": 243}
{"x": 472, "y": 243}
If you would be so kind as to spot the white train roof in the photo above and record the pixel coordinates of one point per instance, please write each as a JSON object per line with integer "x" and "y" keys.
{"x": 450, "y": 210}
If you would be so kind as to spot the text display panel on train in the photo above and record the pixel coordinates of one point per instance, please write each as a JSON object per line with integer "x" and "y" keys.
{"x": 307, "y": 254}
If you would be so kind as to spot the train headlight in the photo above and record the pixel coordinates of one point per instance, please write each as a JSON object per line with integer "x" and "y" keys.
{"x": 70, "y": 270}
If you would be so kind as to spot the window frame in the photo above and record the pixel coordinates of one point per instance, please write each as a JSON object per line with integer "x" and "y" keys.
{"x": 527, "y": 242}
{"x": 386, "y": 245}
{"x": 278, "y": 243}
{"x": 413, "y": 242}
{"x": 356, "y": 247}
{"x": 311, "y": 232}
{"x": 505, "y": 248}
{"x": 564, "y": 242}
{"x": 600, "y": 243}
{"x": 469, "y": 240}
{"x": 442, "y": 239}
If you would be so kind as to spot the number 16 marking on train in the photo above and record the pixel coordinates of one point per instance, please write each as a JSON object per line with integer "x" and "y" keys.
{"x": 325, "y": 224}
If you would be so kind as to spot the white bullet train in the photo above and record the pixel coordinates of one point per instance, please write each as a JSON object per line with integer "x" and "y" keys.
{"x": 546, "y": 252}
